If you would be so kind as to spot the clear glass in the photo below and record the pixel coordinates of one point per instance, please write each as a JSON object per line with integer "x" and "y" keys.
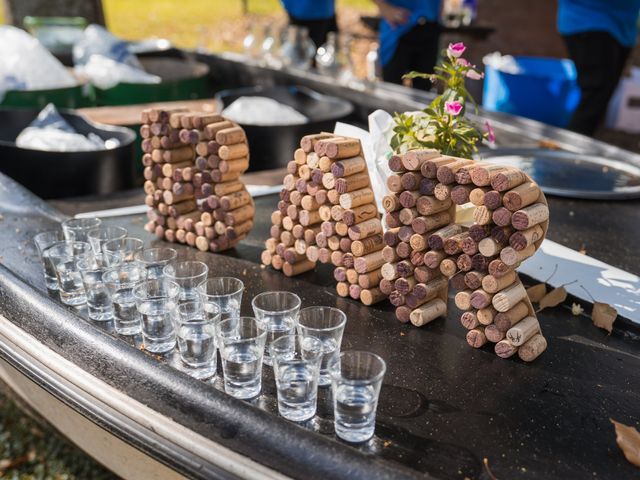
{"x": 334, "y": 57}
{"x": 196, "y": 331}
{"x": 76, "y": 229}
{"x": 156, "y": 300}
{"x": 278, "y": 311}
{"x": 296, "y": 366}
{"x": 356, "y": 380}
{"x": 223, "y": 294}
{"x": 326, "y": 324}
{"x": 252, "y": 43}
{"x": 98, "y": 297}
{"x": 270, "y": 47}
{"x": 153, "y": 260}
{"x": 120, "y": 281}
{"x": 241, "y": 342}
{"x": 65, "y": 256}
{"x": 188, "y": 275}
{"x": 121, "y": 250}
{"x": 101, "y": 235}
{"x": 43, "y": 241}
{"x": 298, "y": 49}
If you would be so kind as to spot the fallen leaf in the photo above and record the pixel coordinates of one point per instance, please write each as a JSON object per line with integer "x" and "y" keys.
{"x": 603, "y": 315}
{"x": 576, "y": 309}
{"x": 553, "y": 298}
{"x": 628, "y": 439}
{"x": 536, "y": 292}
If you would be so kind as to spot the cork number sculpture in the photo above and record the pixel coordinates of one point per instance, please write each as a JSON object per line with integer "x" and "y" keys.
{"x": 433, "y": 243}
{"x": 192, "y": 166}
{"x": 327, "y": 213}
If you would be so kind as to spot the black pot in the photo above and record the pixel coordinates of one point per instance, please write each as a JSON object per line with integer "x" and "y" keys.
{"x": 273, "y": 147}
{"x": 66, "y": 174}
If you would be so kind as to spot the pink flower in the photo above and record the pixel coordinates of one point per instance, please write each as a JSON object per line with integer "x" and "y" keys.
{"x": 474, "y": 75}
{"x": 453, "y": 108}
{"x": 456, "y": 49}
{"x": 490, "y": 134}
{"x": 463, "y": 61}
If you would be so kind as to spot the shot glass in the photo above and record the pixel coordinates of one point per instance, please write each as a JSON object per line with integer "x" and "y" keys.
{"x": 279, "y": 313}
{"x": 120, "y": 281}
{"x": 222, "y": 295}
{"x": 196, "y": 332}
{"x": 98, "y": 296}
{"x": 64, "y": 257}
{"x": 326, "y": 324}
{"x": 121, "y": 250}
{"x": 188, "y": 275}
{"x": 241, "y": 342}
{"x": 156, "y": 299}
{"x": 356, "y": 380}
{"x": 77, "y": 229}
{"x": 43, "y": 241}
{"x": 101, "y": 235}
{"x": 153, "y": 260}
{"x": 296, "y": 366}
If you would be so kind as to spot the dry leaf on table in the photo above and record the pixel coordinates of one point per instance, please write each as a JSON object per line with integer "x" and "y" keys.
{"x": 628, "y": 439}
{"x": 576, "y": 309}
{"x": 553, "y": 298}
{"x": 536, "y": 292}
{"x": 604, "y": 315}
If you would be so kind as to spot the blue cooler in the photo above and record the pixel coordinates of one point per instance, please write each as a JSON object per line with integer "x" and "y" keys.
{"x": 546, "y": 90}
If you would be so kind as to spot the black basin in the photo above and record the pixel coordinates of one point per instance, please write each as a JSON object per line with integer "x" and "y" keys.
{"x": 66, "y": 174}
{"x": 273, "y": 146}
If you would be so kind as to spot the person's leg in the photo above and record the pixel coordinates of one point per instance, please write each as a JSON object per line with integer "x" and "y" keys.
{"x": 318, "y": 29}
{"x": 424, "y": 52}
{"x": 599, "y": 60}
{"x": 393, "y": 71}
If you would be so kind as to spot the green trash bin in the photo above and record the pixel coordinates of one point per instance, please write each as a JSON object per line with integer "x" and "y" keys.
{"x": 67, "y": 97}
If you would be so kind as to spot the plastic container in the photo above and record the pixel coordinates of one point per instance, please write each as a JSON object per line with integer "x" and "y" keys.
{"x": 68, "y": 97}
{"x": 544, "y": 90}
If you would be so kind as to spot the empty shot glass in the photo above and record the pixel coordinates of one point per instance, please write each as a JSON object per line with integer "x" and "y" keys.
{"x": 156, "y": 301}
{"x": 64, "y": 257}
{"x": 121, "y": 250}
{"x": 279, "y": 313}
{"x": 98, "y": 297}
{"x": 101, "y": 235}
{"x": 326, "y": 324}
{"x": 296, "y": 366}
{"x": 120, "y": 281}
{"x": 356, "y": 380}
{"x": 241, "y": 343}
{"x": 196, "y": 332}
{"x": 43, "y": 241}
{"x": 153, "y": 260}
{"x": 77, "y": 229}
{"x": 222, "y": 295}
{"x": 189, "y": 275}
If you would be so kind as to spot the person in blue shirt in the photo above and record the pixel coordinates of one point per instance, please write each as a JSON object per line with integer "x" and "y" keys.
{"x": 599, "y": 35}
{"x": 319, "y": 16}
{"x": 409, "y": 36}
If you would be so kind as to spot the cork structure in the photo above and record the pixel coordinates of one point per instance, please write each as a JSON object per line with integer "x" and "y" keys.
{"x": 192, "y": 166}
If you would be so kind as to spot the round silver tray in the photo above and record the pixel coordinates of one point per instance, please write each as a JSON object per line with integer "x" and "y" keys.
{"x": 573, "y": 175}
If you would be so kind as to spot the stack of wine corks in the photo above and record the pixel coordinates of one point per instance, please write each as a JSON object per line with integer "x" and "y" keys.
{"x": 193, "y": 162}
{"x": 427, "y": 250}
{"x": 327, "y": 213}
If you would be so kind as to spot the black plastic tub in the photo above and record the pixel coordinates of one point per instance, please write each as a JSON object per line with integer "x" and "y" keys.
{"x": 66, "y": 174}
{"x": 273, "y": 146}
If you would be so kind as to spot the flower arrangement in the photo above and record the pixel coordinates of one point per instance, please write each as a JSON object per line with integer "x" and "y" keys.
{"x": 442, "y": 125}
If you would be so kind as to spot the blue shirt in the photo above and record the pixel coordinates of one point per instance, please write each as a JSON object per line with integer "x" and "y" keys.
{"x": 617, "y": 17}
{"x": 390, "y": 36}
{"x": 310, "y": 9}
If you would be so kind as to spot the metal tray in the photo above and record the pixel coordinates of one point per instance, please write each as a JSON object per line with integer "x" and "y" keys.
{"x": 572, "y": 175}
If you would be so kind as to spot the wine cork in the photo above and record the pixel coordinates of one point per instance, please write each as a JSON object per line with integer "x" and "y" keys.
{"x": 308, "y": 142}
{"x": 348, "y": 167}
{"x": 369, "y": 280}
{"x": 343, "y": 148}
{"x": 437, "y": 238}
{"x": 532, "y": 349}
{"x": 509, "y": 297}
{"x": 446, "y": 173}
{"x": 306, "y": 217}
{"x": 463, "y": 299}
{"x": 414, "y": 159}
{"x": 408, "y": 199}
{"x": 227, "y": 188}
{"x": 469, "y": 245}
{"x": 464, "y": 262}
{"x": 396, "y": 298}
{"x": 442, "y": 192}
{"x": 448, "y": 267}
{"x": 428, "y": 312}
{"x": 476, "y": 196}
{"x": 410, "y": 180}
{"x": 389, "y": 254}
{"x": 512, "y": 257}
{"x": 407, "y": 215}
{"x": 489, "y": 247}
{"x": 419, "y": 242}
{"x": 498, "y": 268}
{"x": 521, "y": 196}
{"x": 212, "y": 129}
{"x": 403, "y": 314}
{"x": 389, "y": 271}
{"x": 239, "y": 215}
{"x": 313, "y": 160}
{"x": 424, "y": 224}
{"x": 236, "y": 231}
{"x": 404, "y": 285}
{"x": 505, "y": 349}
{"x": 523, "y": 331}
{"x": 453, "y": 245}
{"x": 501, "y": 217}
{"x": 480, "y": 299}
{"x": 524, "y": 238}
{"x": 353, "y": 182}
{"x": 463, "y": 176}
{"x": 356, "y": 198}
{"x": 276, "y": 262}
{"x": 368, "y": 245}
{"x": 395, "y": 163}
{"x": 231, "y": 152}
{"x": 325, "y": 213}
{"x": 486, "y": 315}
{"x": 492, "y": 284}
{"x": 508, "y": 179}
{"x": 530, "y": 216}
{"x": 369, "y": 262}
{"x": 172, "y": 156}
{"x": 493, "y": 334}
{"x": 405, "y": 268}
{"x": 476, "y": 337}
{"x": 235, "y": 200}
{"x": 237, "y": 166}
{"x": 482, "y": 215}
{"x": 473, "y": 279}
{"x": 430, "y": 289}
{"x": 201, "y": 120}
{"x": 501, "y": 234}
{"x": 357, "y": 214}
{"x": 299, "y": 157}
{"x": 483, "y": 175}
{"x": 427, "y": 205}
{"x": 230, "y": 136}
{"x": 391, "y": 203}
{"x": 341, "y": 228}
{"x": 329, "y": 181}
{"x": 371, "y": 296}
{"x": 433, "y": 259}
{"x": 493, "y": 199}
{"x": 430, "y": 167}
{"x": 342, "y": 289}
{"x": 394, "y": 183}
{"x": 427, "y": 186}
{"x": 469, "y": 320}
{"x": 461, "y": 194}
{"x": 297, "y": 268}
{"x": 392, "y": 219}
{"x": 478, "y": 232}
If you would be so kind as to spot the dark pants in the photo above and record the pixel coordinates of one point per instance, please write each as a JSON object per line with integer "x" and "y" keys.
{"x": 599, "y": 60}
{"x": 318, "y": 29}
{"x": 417, "y": 51}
